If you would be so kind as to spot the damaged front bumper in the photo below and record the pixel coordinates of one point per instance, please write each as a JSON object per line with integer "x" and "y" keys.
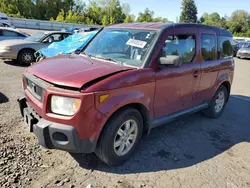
{"x": 54, "y": 135}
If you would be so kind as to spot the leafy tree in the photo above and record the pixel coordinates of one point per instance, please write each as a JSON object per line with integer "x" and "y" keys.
{"x": 94, "y": 13}
{"x": 239, "y": 22}
{"x": 79, "y": 7}
{"x": 71, "y": 17}
{"x": 146, "y": 16}
{"x": 160, "y": 19}
{"x": 189, "y": 12}
{"x": 105, "y": 20}
{"x": 213, "y": 19}
{"x": 60, "y": 16}
{"x": 129, "y": 19}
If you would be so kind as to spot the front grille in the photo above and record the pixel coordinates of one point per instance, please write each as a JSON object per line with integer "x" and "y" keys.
{"x": 36, "y": 86}
{"x": 34, "y": 89}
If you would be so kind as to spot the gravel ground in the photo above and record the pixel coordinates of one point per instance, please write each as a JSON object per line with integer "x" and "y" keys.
{"x": 191, "y": 152}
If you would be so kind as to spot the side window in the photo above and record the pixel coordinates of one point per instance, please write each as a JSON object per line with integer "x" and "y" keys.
{"x": 9, "y": 34}
{"x": 64, "y": 36}
{"x": 180, "y": 45}
{"x": 208, "y": 47}
{"x": 53, "y": 38}
{"x": 225, "y": 47}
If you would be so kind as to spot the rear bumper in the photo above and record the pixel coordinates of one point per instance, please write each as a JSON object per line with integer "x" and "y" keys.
{"x": 54, "y": 135}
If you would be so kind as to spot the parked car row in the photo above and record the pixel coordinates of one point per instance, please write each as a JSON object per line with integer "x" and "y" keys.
{"x": 129, "y": 79}
{"x": 40, "y": 45}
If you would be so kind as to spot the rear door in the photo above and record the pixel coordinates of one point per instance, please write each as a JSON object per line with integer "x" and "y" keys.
{"x": 176, "y": 87}
{"x": 209, "y": 63}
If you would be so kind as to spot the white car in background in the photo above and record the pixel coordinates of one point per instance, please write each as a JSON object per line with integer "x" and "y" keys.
{"x": 244, "y": 51}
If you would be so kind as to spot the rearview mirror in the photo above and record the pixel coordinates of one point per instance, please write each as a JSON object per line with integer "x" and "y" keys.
{"x": 170, "y": 60}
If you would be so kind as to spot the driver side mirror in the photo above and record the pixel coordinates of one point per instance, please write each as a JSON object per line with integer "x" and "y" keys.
{"x": 170, "y": 60}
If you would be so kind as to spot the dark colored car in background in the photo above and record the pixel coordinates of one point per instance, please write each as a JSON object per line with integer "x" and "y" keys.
{"x": 129, "y": 79}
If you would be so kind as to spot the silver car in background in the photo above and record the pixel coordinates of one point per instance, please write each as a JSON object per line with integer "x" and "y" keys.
{"x": 7, "y": 33}
{"x": 23, "y": 50}
{"x": 244, "y": 51}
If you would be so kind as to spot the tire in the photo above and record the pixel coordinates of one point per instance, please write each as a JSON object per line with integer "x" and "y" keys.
{"x": 215, "y": 110}
{"x": 26, "y": 57}
{"x": 106, "y": 149}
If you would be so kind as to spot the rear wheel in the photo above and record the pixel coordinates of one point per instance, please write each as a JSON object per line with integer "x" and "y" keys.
{"x": 218, "y": 103}
{"x": 120, "y": 137}
{"x": 26, "y": 57}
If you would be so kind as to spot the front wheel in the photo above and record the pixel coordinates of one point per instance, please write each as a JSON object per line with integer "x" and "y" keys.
{"x": 218, "y": 103}
{"x": 26, "y": 57}
{"x": 120, "y": 137}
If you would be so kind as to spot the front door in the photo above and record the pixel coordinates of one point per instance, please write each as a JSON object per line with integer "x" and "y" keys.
{"x": 176, "y": 86}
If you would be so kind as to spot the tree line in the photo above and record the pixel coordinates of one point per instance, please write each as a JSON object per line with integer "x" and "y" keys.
{"x": 105, "y": 12}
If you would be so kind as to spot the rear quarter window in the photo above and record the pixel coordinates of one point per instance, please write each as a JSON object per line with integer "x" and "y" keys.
{"x": 208, "y": 47}
{"x": 225, "y": 47}
{"x": 9, "y": 34}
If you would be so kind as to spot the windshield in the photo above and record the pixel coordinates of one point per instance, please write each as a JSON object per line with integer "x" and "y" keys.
{"x": 245, "y": 45}
{"x": 36, "y": 37}
{"x": 123, "y": 46}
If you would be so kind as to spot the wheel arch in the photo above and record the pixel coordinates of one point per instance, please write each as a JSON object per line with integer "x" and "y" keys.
{"x": 23, "y": 49}
{"x": 227, "y": 86}
{"x": 138, "y": 106}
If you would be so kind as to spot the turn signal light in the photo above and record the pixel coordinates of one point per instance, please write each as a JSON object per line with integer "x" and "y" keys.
{"x": 102, "y": 98}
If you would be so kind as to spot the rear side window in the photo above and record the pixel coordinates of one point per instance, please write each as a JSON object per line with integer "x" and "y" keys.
{"x": 225, "y": 47}
{"x": 9, "y": 34}
{"x": 180, "y": 45}
{"x": 208, "y": 47}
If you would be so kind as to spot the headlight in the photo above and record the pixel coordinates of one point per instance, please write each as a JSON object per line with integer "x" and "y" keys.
{"x": 64, "y": 105}
{"x": 8, "y": 48}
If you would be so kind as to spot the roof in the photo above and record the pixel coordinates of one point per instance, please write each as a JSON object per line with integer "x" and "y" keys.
{"x": 148, "y": 25}
{"x": 9, "y": 29}
{"x": 52, "y": 32}
{"x": 162, "y": 26}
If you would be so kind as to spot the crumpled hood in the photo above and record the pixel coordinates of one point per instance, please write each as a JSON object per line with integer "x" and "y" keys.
{"x": 73, "y": 70}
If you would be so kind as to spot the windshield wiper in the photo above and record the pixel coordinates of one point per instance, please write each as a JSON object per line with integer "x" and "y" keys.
{"x": 84, "y": 53}
{"x": 109, "y": 59}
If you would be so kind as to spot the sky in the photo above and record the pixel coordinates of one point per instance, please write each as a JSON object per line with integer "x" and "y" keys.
{"x": 170, "y": 9}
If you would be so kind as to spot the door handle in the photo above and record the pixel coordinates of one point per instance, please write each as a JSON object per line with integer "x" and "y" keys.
{"x": 196, "y": 74}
